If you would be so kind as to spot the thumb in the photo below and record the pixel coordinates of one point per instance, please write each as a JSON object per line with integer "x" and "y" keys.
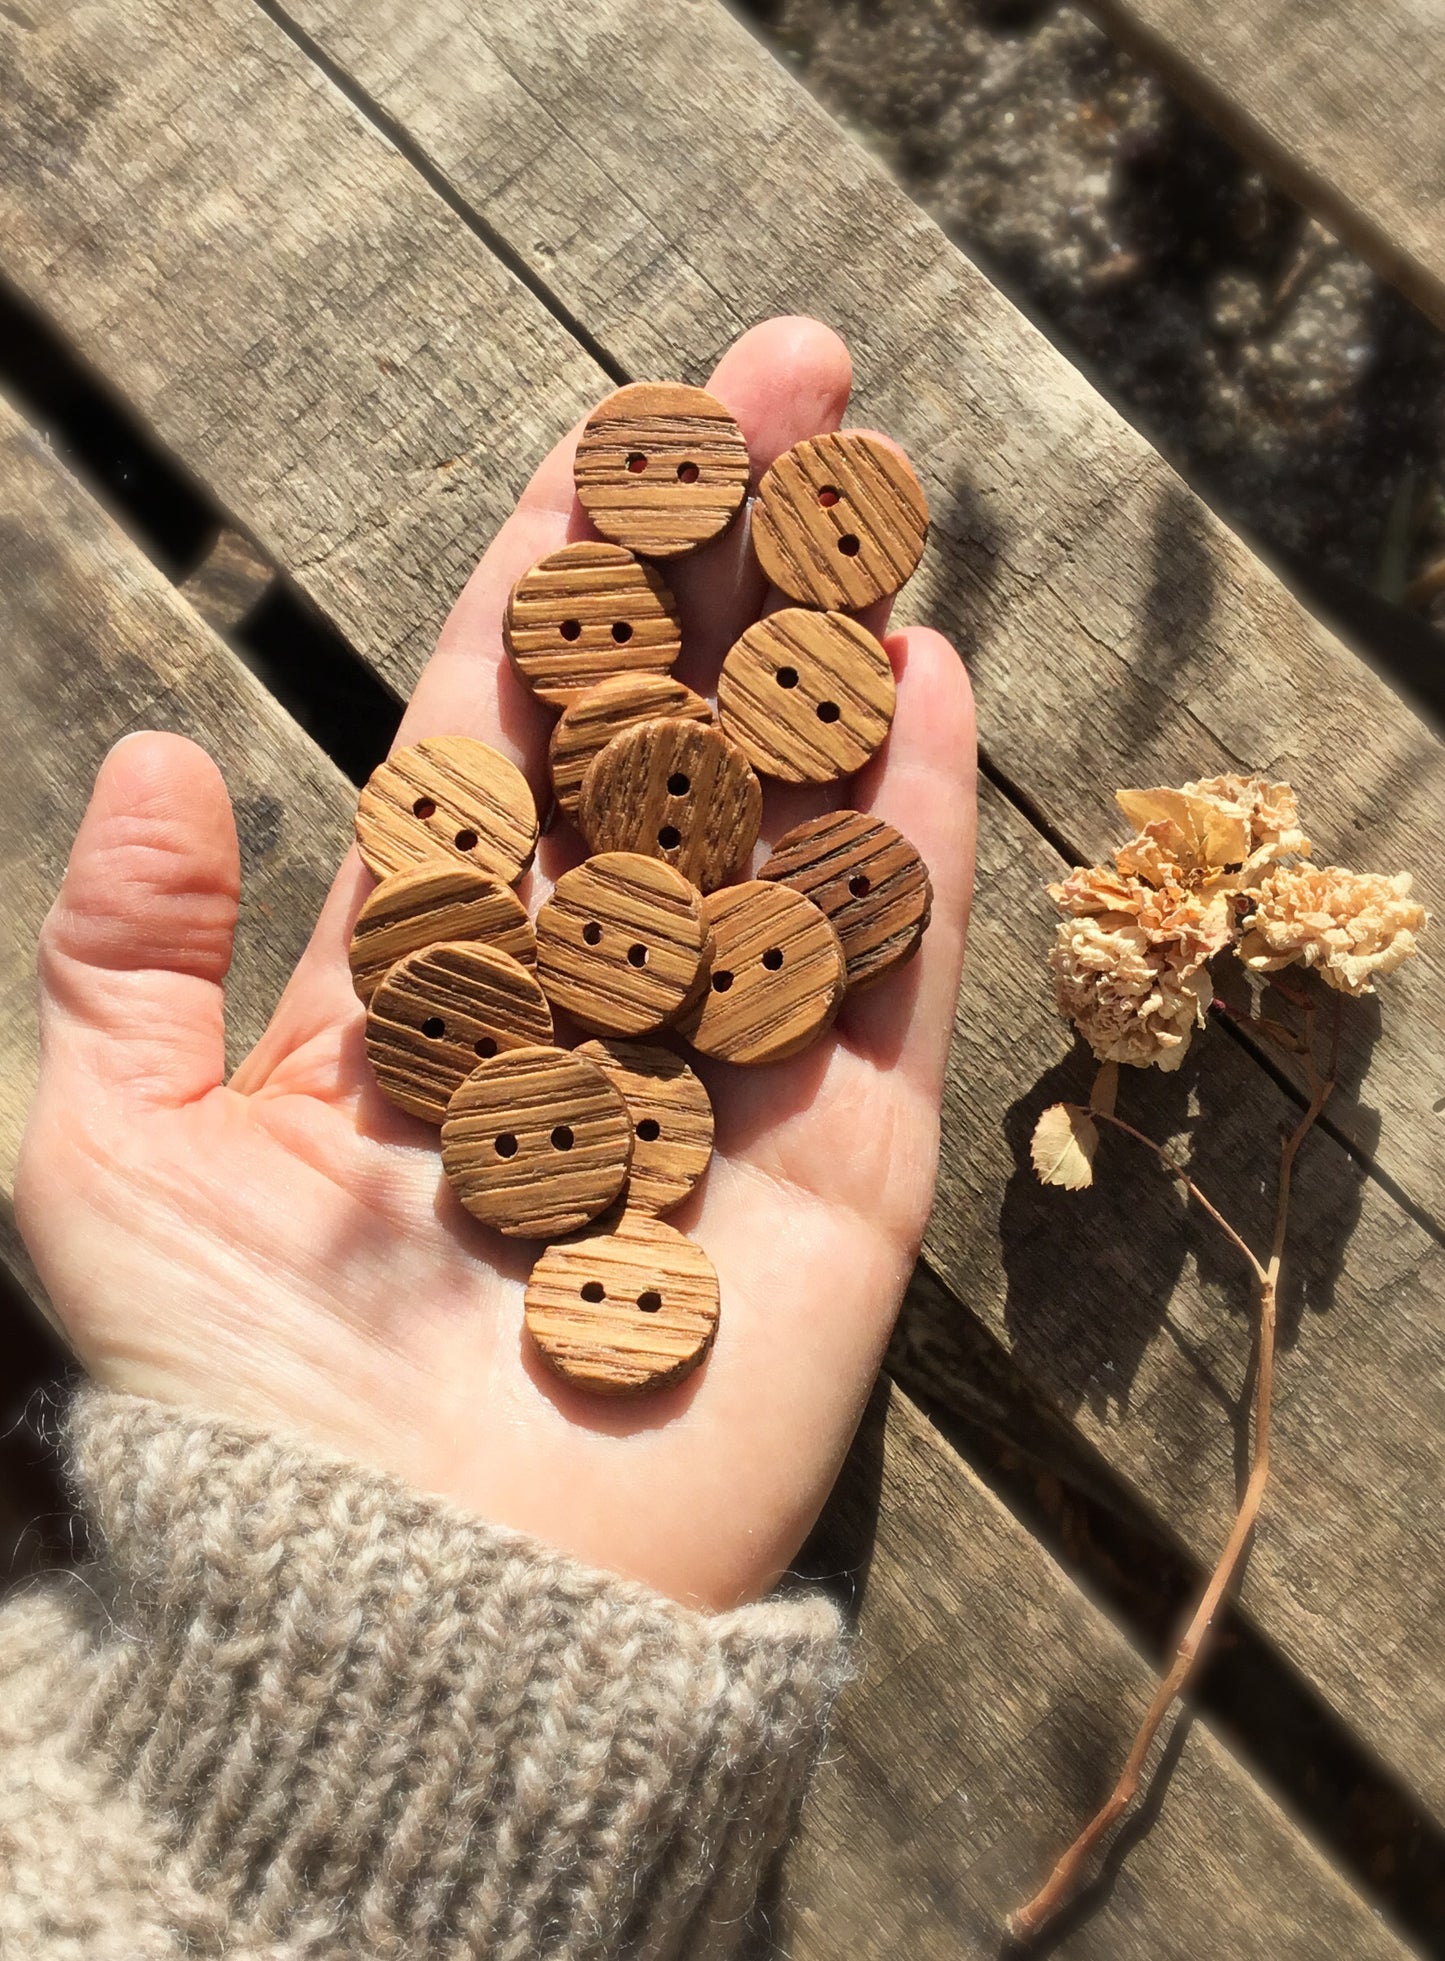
{"x": 134, "y": 951}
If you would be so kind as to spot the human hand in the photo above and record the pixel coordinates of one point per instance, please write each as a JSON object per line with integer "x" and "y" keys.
{"x": 283, "y": 1248}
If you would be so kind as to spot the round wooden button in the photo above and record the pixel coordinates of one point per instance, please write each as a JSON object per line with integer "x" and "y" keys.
{"x": 674, "y": 790}
{"x": 447, "y": 796}
{"x": 808, "y": 697}
{"x": 777, "y": 975}
{"x": 621, "y": 943}
{"x": 416, "y": 909}
{"x": 840, "y": 521}
{"x": 623, "y": 1312}
{"x": 661, "y": 468}
{"x": 585, "y": 612}
{"x": 438, "y": 1012}
{"x": 537, "y": 1142}
{"x": 590, "y": 720}
{"x": 671, "y": 1121}
{"x": 867, "y": 878}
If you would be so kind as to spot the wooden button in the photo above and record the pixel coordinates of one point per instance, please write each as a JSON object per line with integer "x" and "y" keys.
{"x": 590, "y": 721}
{"x": 416, "y": 909}
{"x": 537, "y": 1142}
{"x": 623, "y": 1312}
{"x": 584, "y": 613}
{"x": 621, "y": 943}
{"x": 840, "y": 521}
{"x": 671, "y": 1121}
{"x": 777, "y": 975}
{"x": 808, "y": 697}
{"x": 674, "y": 790}
{"x": 439, "y": 1011}
{"x": 867, "y": 878}
{"x": 447, "y": 796}
{"x": 661, "y": 468}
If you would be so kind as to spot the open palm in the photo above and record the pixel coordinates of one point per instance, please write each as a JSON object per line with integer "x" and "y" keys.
{"x": 284, "y": 1249}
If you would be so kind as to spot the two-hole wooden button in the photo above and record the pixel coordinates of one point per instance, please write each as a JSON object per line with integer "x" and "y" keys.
{"x": 679, "y": 791}
{"x": 440, "y": 1011}
{"x": 777, "y": 975}
{"x": 438, "y": 901}
{"x": 808, "y": 697}
{"x": 840, "y": 521}
{"x": 590, "y": 720}
{"x": 621, "y": 943}
{"x": 623, "y": 1312}
{"x": 867, "y": 878}
{"x": 586, "y": 612}
{"x": 537, "y": 1142}
{"x": 447, "y": 796}
{"x": 661, "y": 468}
{"x": 672, "y": 1125}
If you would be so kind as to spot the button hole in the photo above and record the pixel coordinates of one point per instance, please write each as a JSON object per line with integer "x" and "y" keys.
{"x": 828, "y": 711}
{"x": 637, "y": 956}
{"x": 687, "y": 473}
{"x": 506, "y": 1145}
{"x": 669, "y": 837}
{"x": 849, "y": 545}
{"x": 649, "y": 1300}
{"x": 679, "y": 783}
{"x": 562, "y": 1138}
{"x": 860, "y": 885}
{"x": 637, "y": 463}
{"x": 486, "y": 1048}
{"x": 621, "y": 632}
{"x": 649, "y": 1130}
{"x": 787, "y": 677}
{"x": 571, "y": 629}
{"x": 722, "y": 980}
{"x": 594, "y": 1291}
{"x": 466, "y": 840}
{"x": 592, "y": 932}
{"x": 433, "y": 1028}
{"x": 423, "y": 807}
{"x": 773, "y": 959}
{"x": 829, "y": 495}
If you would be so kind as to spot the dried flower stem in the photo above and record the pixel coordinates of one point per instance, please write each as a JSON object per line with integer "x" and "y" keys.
{"x": 1065, "y": 1876}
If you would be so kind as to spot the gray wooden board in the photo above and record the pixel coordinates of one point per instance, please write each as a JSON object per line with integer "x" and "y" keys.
{"x": 363, "y": 385}
{"x": 1130, "y": 1315}
{"x": 1340, "y": 103}
{"x": 671, "y": 187}
{"x": 960, "y": 1604}
{"x": 991, "y": 1710}
{"x": 95, "y": 642}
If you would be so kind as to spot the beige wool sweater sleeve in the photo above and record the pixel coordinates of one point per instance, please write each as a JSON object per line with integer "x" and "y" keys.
{"x": 295, "y": 1711}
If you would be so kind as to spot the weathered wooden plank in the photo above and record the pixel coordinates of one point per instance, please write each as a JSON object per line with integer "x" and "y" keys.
{"x": 1011, "y": 1691}
{"x": 1116, "y": 630}
{"x": 672, "y": 187}
{"x": 1128, "y": 1314}
{"x": 349, "y": 369}
{"x": 97, "y": 642}
{"x": 1339, "y": 103}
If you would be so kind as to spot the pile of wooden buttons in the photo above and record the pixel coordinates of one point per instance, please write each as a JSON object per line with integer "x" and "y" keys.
{"x": 588, "y": 1146}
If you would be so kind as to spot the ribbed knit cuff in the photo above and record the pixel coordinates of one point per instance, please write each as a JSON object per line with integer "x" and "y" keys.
{"x": 366, "y": 1722}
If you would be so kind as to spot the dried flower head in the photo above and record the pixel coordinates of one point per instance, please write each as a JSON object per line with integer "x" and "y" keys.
{"x": 1349, "y": 926}
{"x": 1132, "y": 1000}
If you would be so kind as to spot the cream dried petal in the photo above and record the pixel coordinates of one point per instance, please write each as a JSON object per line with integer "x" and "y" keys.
{"x": 1204, "y": 833}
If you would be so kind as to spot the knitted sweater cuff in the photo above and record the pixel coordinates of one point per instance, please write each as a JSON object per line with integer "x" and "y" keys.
{"x": 365, "y": 1721}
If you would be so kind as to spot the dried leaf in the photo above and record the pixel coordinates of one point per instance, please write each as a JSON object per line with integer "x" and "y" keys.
{"x": 1065, "y": 1139}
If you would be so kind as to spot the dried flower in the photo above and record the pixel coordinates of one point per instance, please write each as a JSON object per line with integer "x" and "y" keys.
{"x": 1348, "y": 925}
{"x": 1131, "y": 1000}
